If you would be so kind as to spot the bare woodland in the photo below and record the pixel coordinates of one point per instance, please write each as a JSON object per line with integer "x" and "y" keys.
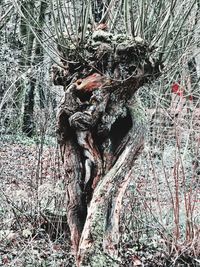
{"x": 115, "y": 86}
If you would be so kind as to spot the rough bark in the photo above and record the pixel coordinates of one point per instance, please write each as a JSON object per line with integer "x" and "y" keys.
{"x": 102, "y": 224}
{"x": 101, "y": 131}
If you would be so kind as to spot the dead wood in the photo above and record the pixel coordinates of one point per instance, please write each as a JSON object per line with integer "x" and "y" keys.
{"x": 101, "y": 131}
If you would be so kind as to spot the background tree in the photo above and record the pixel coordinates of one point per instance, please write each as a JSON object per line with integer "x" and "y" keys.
{"x": 26, "y": 88}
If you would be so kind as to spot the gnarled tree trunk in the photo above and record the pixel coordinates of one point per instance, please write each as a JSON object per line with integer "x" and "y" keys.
{"x": 101, "y": 131}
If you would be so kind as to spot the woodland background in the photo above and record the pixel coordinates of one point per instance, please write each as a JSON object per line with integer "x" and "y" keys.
{"x": 160, "y": 222}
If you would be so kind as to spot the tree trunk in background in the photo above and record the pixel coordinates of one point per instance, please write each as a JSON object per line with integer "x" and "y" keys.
{"x": 26, "y": 87}
{"x": 35, "y": 57}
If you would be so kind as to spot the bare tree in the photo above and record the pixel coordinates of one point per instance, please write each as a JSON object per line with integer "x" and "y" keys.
{"x": 32, "y": 56}
{"x": 23, "y": 31}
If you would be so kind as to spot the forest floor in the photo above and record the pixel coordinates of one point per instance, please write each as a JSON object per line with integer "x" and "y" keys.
{"x": 31, "y": 183}
{"x": 33, "y": 199}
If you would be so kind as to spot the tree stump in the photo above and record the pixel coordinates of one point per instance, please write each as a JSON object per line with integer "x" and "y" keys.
{"x": 101, "y": 130}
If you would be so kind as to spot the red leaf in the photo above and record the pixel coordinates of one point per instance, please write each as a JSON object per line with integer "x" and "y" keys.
{"x": 176, "y": 88}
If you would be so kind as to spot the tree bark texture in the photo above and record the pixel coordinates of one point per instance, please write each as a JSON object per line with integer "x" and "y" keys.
{"x": 101, "y": 129}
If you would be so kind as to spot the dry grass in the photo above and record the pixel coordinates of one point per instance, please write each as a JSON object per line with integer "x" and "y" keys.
{"x": 162, "y": 227}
